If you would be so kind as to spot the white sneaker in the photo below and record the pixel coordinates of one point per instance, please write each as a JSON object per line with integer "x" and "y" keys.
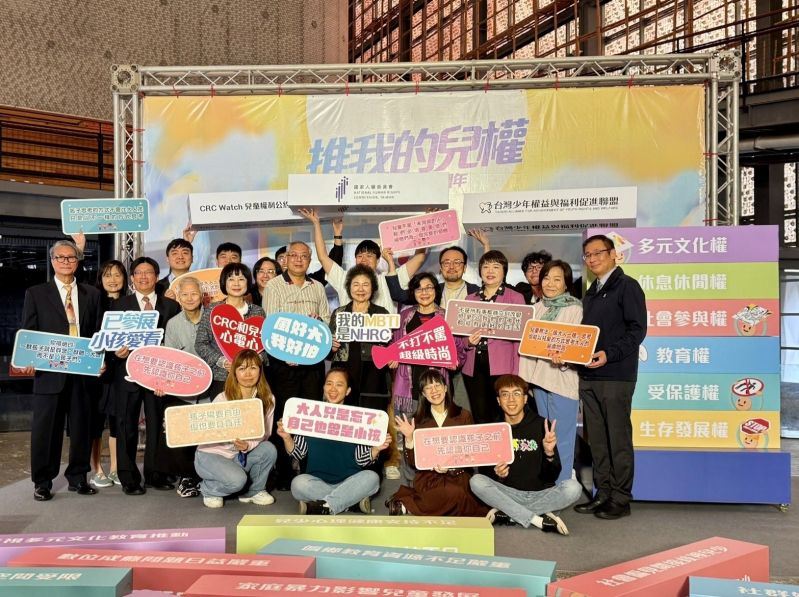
{"x": 392, "y": 472}
{"x": 262, "y": 498}
{"x": 365, "y": 505}
{"x": 213, "y": 502}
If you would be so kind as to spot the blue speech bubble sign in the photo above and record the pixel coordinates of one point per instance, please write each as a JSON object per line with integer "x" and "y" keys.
{"x": 296, "y": 338}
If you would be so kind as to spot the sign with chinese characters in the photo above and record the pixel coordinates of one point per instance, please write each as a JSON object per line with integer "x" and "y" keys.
{"x": 430, "y": 344}
{"x": 419, "y": 232}
{"x": 717, "y": 587}
{"x": 198, "y": 424}
{"x": 55, "y": 352}
{"x": 749, "y": 281}
{"x": 296, "y": 338}
{"x": 551, "y": 211}
{"x": 211, "y": 539}
{"x": 497, "y": 320}
{"x": 243, "y": 209}
{"x": 662, "y": 354}
{"x": 703, "y": 244}
{"x": 340, "y": 422}
{"x": 463, "y": 446}
{"x": 209, "y": 284}
{"x": 172, "y": 371}
{"x": 706, "y": 429}
{"x": 54, "y": 579}
{"x": 709, "y": 391}
{"x": 362, "y": 327}
{"x": 233, "y": 333}
{"x": 104, "y": 216}
{"x": 369, "y": 193}
{"x": 133, "y": 329}
{"x": 246, "y": 586}
{"x": 707, "y": 317}
{"x": 168, "y": 570}
{"x": 545, "y": 339}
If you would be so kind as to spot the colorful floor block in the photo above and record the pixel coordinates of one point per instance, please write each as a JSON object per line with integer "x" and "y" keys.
{"x": 717, "y": 587}
{"x": 65, "y": 582}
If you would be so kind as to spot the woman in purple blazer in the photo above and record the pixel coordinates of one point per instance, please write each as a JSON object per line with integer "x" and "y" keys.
{"x": 488, "y": 358}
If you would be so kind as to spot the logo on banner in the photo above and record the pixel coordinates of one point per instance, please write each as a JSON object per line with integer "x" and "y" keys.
{"x": 431, "y": 344}
{"x": 341, "y": 188}
{"x": 753, "y": 434}
{"x": 339, "y": 422}
{"x": 296, "y": 338}
{"x": 172, "y": 371}
{"x": 133, "y": 329}
{"x": 233, "y": 333}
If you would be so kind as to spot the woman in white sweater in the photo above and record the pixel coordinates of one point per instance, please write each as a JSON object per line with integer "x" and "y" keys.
{"x": 240, "y": 466}
{"x": 556, "y": 383}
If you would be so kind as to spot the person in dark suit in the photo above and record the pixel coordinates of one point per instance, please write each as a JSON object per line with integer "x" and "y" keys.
{"x": 128, "y": 396}
{"x": 179, "y": 257}
{"x": 61, "y": 306}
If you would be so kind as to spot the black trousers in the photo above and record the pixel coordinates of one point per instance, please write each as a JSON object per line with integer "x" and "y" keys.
{"x": 50, "y": 411}
{"x": 128, "y": 438}
{"x": 606, "y": 416}
{"x": 286, "y": 381}
{"x": 480, "y": 389}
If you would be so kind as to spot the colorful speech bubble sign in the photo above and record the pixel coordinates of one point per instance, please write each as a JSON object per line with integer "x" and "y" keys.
{"x": 339, "y": 422}
{"x": 296, "y": 338}
{"x": 233, "y": 333}
{"x": 170, "y": 370}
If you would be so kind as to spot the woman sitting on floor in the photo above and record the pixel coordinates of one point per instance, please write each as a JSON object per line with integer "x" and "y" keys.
{"x": 230, "y": 467}
{"x": 438, "y": 492}
{"x": 335, "y": 475}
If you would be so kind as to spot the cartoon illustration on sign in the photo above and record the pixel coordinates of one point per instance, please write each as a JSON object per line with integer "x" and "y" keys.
{"x": 624, "y": 248}
{"x": 744, "y": 391}
{"x": 749, "y": 318}
{"x": 753, "y": 434}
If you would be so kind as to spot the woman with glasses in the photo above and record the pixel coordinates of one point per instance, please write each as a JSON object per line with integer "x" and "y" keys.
{"x": 441, "y": 491}
{"x": 555, "y": 383}
{"x": 264, "y": 270}
{"x": 488, "y": 358}
{"x": 234, "y": 283}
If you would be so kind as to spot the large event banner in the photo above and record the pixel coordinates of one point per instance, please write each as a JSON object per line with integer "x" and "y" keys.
{"x": 648, "y": 138}
{"x": 709, "y": 366}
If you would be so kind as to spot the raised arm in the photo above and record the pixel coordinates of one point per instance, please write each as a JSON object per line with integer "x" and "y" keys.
{"x": 319, "y": 242}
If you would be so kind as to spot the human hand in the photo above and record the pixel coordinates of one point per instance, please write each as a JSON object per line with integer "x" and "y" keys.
{"x": 475, "y": 337}
{"x": 309, "y": 214}
{"x": 598, "y": 360}
{"x": 123, "y": 352}
{"x": 80, "y": 241}
{"x": 481, "y": 237}
{"x": 240, "y": 445}
{"x": 550, "y": 439}
{"x": 393, "y": 364}
{"x": 281, "y": 431}
{"x": 189, "y": 233}
{"x": 405, "y": 426}
{"x": 338, "y": 226}
{"x": 502, "y": 470}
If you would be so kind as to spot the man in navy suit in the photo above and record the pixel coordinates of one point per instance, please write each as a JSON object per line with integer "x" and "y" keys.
{"x": 61, "y": 306}
{"x": 127, "y": 396}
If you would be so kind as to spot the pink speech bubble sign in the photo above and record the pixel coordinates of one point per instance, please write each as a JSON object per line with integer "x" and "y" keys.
{"x": 170, "y": 370}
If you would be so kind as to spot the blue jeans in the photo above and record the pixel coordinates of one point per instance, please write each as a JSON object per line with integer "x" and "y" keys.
{"x": 563, "y": 410}
{"x": 339, "y": 496}
{"x": 521, "y": 506}
{"x": 225, "y": 476}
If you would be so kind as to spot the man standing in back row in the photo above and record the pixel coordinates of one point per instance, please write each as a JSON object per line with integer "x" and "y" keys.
{"x": 616, "y": 304}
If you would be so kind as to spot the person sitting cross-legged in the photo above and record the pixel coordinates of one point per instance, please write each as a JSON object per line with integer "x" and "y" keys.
{"x": 336, "y": 475}
{"x": 526, "y": 491}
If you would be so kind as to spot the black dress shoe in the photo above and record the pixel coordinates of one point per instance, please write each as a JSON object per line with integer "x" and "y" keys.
{"x": 82, "y": 488}
{"x": 611, "y": 511}
{"x": 592, "y": 506}
{"x": 134, "y": 489}
{"x": 42, "y": 494}
{"x": 161, "y": 486}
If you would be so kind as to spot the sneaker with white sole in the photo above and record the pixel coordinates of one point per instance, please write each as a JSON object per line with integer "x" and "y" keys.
{"x": 262, "y": 498}
{"x": 392, "y": 472}
{"x": 552, "y": 523}
{"x": 187, "y": 488}
{"x": 213, "y": 502}
{"x": 365, "y": 505}
{"x": 101, "y": 481}
{"x": 114, "y": 477}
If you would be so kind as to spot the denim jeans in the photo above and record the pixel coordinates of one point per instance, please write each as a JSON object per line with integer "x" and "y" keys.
{"x": 563, "y": 410}
{"x": 339, "y": 496}
{"x": 225, "y": 476}
{"x": 521, "y": 506}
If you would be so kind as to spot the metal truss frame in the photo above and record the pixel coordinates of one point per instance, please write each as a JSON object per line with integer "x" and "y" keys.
{"x": 719, "y": 71}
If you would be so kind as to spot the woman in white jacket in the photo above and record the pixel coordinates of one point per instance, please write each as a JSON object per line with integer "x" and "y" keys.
{"x": 556, "y": 383}
{"x": 242, "y": 466}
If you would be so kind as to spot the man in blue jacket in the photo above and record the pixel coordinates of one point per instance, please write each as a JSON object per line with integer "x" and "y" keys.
{"x": 616, "y": 304}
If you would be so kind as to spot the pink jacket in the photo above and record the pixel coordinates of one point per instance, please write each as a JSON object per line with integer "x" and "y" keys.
{"x": 227, "y": 449}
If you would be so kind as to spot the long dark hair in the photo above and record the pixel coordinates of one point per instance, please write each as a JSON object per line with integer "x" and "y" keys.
{"x": 423, "y": 411}
{"x": 105, "y": 267}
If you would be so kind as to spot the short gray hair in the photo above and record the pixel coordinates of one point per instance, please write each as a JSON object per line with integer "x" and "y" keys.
{"x": 187, "y": 280}
{"x": 66, "y": 243}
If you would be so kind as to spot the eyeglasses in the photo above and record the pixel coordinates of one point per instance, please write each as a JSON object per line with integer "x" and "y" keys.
{"x": 452, "y": 263}
{"x": 433, "y": 387}
{"x": 534, "y": 266}
{"x": 65, "y": 259}
{"x": 266, "y": 271}
{"x": 589, "y": 256}
{"x": 514, "y": 394}
{"x": 141, "y": 274}
{"x": 425, "y": 289}
{"x": 300, "y": 256}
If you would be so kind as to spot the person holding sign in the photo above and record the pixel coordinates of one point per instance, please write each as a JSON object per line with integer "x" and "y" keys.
{"x": 230, "y": 467}
{"x": 555, "y": 382}
{"x": 234, "y": 283}
{"x": 527, "y": 490}
{"x": 488, "y": 358}
{"x": 615, "y": 304}
{"x": 61, "y": 306}
{"x": 336, "y": 476}
{"x": 437, "y": 492}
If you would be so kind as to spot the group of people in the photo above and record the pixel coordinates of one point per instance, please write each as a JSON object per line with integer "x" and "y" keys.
{"x": 491, "y": 382}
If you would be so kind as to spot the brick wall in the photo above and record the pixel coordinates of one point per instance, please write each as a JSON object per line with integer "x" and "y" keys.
{"x": 56, "y": 55}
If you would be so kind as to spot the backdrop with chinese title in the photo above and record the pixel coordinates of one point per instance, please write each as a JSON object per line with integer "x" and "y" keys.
{"x": 646, "y": 138}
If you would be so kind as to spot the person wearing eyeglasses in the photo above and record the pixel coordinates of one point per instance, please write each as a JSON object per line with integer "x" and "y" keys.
{"x": 616, "y": 304}
{"x": 531, "y": 268}
{"x": 294, "y": 292}
{"x": 264, "y": 270}
{"x": 61, "y": 306}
